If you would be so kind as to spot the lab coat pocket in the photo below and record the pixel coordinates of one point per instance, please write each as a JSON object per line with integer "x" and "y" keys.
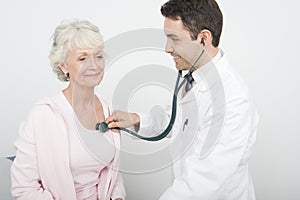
{"x": 187, "y": 132}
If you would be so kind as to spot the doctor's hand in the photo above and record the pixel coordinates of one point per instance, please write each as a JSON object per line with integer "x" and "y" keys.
{"x": 123, "y": 119}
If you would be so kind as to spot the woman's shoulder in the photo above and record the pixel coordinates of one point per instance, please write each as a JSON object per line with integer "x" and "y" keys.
{"x": 45, "y": 106}
{"x": 42, "y": 120}
{"x": 40, "y": 114}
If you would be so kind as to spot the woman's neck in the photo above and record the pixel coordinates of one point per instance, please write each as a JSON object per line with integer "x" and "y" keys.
{"x": 85, "y": 104}
{"x": 79, "y": 97}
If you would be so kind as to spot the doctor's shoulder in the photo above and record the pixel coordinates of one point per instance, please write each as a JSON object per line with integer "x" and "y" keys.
{"x": 239, "y": 98}
{"x": 234, "y": 84}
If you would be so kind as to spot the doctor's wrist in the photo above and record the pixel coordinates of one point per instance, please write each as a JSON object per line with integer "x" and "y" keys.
{"x": 136, "y": 121}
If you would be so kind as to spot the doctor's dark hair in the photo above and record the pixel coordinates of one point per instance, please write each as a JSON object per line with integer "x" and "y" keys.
{"x": 196, "y": 15}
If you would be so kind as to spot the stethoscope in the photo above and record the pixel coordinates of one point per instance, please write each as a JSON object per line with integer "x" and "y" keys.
{"x": 103, "y": 126}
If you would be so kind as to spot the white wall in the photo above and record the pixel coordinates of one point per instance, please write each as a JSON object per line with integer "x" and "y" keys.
{"x": 260, "y": 37}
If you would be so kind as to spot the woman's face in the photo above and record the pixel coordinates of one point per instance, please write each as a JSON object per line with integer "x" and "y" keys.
{"x": 85, "y": 66}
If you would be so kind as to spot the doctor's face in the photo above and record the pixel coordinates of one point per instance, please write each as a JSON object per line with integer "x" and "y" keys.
{"x": 180, "y": 44}
{"x": 85, "y": 66}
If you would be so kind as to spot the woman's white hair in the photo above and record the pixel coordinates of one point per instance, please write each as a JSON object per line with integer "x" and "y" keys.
{"x": 72, "y": 34}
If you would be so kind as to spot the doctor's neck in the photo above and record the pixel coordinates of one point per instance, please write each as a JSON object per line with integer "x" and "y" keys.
{"x": 209, "y": 54}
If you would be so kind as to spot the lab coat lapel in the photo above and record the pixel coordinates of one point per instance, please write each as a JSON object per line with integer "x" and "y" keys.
{"x": 209, "y": 88}
{"x": 209, "y": 75}
{"x": 191, "y": 95}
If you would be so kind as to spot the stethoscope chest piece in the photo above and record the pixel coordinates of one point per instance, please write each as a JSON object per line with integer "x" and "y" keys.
{"x": 102, "y": 127}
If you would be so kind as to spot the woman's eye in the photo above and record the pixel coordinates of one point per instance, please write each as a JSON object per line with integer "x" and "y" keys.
{"x": 82, "y": 58}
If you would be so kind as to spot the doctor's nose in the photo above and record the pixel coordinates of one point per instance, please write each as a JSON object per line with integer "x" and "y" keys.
{"x": 168, "y": 48}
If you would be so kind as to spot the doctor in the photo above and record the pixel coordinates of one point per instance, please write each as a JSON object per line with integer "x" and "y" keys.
{"x": 214, "y": 139}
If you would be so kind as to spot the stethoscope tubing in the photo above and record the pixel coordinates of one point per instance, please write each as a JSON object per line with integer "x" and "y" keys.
{"x": 174, "y": 107}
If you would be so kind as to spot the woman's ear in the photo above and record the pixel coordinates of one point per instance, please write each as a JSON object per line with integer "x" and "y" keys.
{"x": 63, "y": 68}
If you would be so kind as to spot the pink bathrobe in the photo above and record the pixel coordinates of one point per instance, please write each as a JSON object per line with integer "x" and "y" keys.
{"x": 41, "y": 169}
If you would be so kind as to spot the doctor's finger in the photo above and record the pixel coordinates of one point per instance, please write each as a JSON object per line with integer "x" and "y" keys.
{"x": 113, "y": 124}
{"x": 115, "y": 116}
{"x": 121, "y": 124}
{"x": 111, "y": 119}
{"x": 115, "y": 130}
{"x": 117, "y": 113}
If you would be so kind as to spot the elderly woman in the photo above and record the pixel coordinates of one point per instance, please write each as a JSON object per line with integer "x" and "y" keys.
{"x": 59, "y": 154}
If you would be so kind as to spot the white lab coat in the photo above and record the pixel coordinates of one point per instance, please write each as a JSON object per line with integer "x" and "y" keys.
{"x": 211, "y": 145}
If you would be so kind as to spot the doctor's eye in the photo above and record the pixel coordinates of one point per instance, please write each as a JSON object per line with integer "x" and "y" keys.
{"x": 175, "y": 39}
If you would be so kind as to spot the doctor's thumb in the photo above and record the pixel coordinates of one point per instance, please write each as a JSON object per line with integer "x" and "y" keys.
{"x": 113, "y": 124}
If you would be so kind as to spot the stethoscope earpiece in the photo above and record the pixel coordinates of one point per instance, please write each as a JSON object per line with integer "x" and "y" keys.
{"x": 202, "y": 41}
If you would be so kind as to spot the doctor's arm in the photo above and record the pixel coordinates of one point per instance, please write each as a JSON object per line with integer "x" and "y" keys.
{"x": 25, "y": 180}
{"x": 202, "y": 177}
{"x": 145, "y": 124}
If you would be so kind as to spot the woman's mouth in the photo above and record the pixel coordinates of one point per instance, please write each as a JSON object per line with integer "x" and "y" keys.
{"x": 93, "y": 75}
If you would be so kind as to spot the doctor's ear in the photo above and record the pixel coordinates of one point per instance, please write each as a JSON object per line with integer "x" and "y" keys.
{"x": 204, "y": 36}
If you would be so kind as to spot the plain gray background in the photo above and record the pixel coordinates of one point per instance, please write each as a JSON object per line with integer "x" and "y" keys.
{"x": 259, "y": 37}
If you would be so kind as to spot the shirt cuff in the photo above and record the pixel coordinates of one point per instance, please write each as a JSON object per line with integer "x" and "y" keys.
{"x": 145, "y": 120}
